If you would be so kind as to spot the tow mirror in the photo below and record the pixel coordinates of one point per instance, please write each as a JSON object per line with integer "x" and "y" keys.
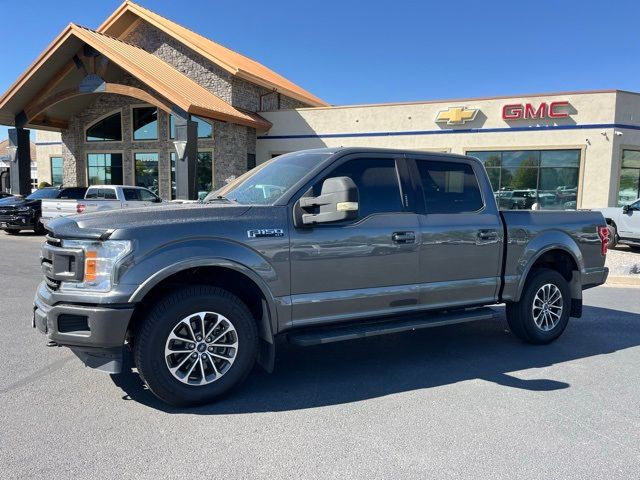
{"x": 338, "y": 200}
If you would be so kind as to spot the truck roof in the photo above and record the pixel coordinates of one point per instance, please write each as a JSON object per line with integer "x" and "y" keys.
{"x": 393, "y": 151}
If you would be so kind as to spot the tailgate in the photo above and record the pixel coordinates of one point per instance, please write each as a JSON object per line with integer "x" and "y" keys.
{"x": 58, "y": 208}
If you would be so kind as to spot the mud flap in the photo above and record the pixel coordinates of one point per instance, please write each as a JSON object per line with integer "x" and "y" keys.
{"x": 267, "y": 355}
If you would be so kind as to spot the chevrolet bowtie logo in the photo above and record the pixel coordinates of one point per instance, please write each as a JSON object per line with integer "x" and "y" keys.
{"x": 457, "y": 115}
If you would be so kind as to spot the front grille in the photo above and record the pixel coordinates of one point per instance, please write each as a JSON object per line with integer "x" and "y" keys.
{"x": 53, "y": 241}
{"x": 60, "y": 264}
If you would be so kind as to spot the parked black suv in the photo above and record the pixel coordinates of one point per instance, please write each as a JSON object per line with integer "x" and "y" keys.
{"x": 17, "y": 213}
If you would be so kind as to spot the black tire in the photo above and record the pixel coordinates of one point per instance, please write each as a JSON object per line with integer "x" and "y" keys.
{"x": 613, "y": 236}
{"x": 150, "y": 342}
{"x": 12, "y": 232}
{"x": 38, "y": 227}
{"x": 520, "y": 314}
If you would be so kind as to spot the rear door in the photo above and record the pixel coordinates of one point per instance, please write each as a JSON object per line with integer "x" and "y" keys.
{"x": 363, "y": 267}
{"x": 461, "y": 233}
{"x": 101, "y": 198}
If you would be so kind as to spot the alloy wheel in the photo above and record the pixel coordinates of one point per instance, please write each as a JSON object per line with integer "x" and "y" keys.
{"x": 547, "y": 307}
{"x": 201, "y": 348}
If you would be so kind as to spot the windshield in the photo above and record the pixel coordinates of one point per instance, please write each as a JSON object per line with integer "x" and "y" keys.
{"x": 267, "y": 182}
{"x": 44, "y": 193}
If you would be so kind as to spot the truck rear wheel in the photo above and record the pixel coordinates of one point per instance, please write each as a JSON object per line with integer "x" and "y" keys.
{"x": 196, "y": 345}
{"x": 543, "y": 311}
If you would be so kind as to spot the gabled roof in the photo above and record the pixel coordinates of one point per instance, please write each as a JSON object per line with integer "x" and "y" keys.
{"x": 149, "y": 69}
{"x": 4, "y": 150}
{"x": 119, "y": 23}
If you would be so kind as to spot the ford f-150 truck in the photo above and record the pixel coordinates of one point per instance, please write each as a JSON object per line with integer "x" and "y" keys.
{"x": 99, "y": 198}
{"x": 313, "y": 247}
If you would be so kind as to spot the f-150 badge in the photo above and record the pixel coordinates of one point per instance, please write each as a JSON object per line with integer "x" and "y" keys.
{"x": 265, "y": 232}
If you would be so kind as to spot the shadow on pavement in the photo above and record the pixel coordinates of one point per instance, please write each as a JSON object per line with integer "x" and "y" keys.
{"x": 353, "y": 371}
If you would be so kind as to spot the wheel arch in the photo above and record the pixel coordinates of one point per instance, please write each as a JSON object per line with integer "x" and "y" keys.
{"x": 223, "y": 273}
{"x": 559, "y": 253}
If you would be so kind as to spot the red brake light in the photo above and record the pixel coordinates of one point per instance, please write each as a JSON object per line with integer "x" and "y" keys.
{"x": 603, "y": 233}
{"x": 80, "y": 207}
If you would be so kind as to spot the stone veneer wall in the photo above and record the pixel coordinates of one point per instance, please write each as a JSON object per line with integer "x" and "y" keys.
{"x": 75, "y": 148}
{"x": 230, "y": 144}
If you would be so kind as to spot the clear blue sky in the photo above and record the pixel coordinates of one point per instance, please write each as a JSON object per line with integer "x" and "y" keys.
{"x": 371, "y": 51}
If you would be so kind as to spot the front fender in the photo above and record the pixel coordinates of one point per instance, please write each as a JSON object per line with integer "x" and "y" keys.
{"x": 150, "y": 269}
{"x": 539, "y": 245}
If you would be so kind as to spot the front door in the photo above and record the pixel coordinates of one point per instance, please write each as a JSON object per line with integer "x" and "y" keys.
{"x": 460, "y": 234}
{"x": 364, "y": 267}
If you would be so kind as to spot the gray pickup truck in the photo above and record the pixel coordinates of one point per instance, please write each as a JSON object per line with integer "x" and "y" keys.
{"x": 313, "y": 247}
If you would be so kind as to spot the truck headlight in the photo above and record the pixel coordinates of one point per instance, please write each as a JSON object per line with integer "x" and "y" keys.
{"x": 100, "y": 262}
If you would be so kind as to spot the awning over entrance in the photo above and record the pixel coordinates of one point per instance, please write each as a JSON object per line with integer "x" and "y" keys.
{"x": 81, "y": 62}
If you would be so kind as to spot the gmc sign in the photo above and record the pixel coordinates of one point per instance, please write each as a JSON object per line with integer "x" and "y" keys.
{"x": 526, "y": 111}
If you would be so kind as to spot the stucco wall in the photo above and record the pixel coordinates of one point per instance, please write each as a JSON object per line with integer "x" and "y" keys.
{"x": 413, "y": 126}
{"x": 48, "y": 144}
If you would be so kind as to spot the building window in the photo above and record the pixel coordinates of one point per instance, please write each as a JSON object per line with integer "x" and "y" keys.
{"x": 205, "y": 128}
{"x": 56, "y": 171}
{"x": 145, "y": 123}
{"x": 629, "y": 177}
{"x": 251, "y": 161}
{"x": 204, "y": 174}
{"x": 520, "y": 179}
{"x": 104, "y": 168}
{"x": 146, "y": 170}
{"x": 109, "y": 129}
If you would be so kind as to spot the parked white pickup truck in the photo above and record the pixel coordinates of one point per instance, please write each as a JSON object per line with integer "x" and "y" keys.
{"x": 624, "y": 224}
{"x": 99, "y": 198}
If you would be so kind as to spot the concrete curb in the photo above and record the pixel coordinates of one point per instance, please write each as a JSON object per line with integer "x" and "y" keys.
{"x": 630, "y": 280}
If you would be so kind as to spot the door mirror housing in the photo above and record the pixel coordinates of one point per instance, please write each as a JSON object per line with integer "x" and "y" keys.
{"x": 338, "y": 201}
{"x": 625, "y": 209}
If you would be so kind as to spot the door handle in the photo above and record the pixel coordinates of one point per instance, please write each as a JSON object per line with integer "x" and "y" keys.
{"x": 403, "y": 237}
{"x": 487, "y": 235}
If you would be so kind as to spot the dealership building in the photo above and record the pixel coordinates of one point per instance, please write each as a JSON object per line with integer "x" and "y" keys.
{"x": 145, "y": 101}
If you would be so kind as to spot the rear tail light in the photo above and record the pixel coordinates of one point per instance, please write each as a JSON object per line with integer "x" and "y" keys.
{"x": 603, "y": 233}
{"x": 80, "y": 207}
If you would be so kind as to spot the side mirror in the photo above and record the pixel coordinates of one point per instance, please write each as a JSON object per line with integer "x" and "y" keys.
{"x": 338, "y": 200}
{"x": 625, "y": 209}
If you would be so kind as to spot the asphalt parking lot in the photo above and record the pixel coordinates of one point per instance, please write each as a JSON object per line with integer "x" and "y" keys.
{"x": 467, "y": 401}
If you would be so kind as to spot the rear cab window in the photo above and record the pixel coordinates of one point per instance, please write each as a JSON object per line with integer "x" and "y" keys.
{"x": 449, "y": 187}
{"x": 101, "y": 194}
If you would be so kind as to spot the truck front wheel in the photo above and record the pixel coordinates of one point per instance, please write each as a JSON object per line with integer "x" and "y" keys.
{"x": 543, "y": 311}
{"x": 196, "y": 345}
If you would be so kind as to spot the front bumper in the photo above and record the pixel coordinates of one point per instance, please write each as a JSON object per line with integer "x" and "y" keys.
{"x": 96, "y": 334}
{"x": 16, "y": 222}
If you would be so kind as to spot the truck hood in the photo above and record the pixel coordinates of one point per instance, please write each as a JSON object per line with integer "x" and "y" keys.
{"x": 102, "y": 224}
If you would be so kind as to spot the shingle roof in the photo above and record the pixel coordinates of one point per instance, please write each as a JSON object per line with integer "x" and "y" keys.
{"x": 166, "y": 80}
{"x": 4, "y": 150}
{"x": 150, "y": 70}
{"x": 234, "y": 62}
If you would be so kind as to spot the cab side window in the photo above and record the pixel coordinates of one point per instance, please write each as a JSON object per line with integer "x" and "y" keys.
{"x": 147, "y": 196}
{"x": 131, "y": 194}
{"x": 377, "y": 182}
{"x": 449, "y": 187}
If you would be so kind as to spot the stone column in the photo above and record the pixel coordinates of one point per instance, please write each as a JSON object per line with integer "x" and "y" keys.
{"x": 21, "y": 164}
{"x": 187, "y": 138}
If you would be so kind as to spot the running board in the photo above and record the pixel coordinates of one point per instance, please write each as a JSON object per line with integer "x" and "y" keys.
{"x": 339, "y": 333}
